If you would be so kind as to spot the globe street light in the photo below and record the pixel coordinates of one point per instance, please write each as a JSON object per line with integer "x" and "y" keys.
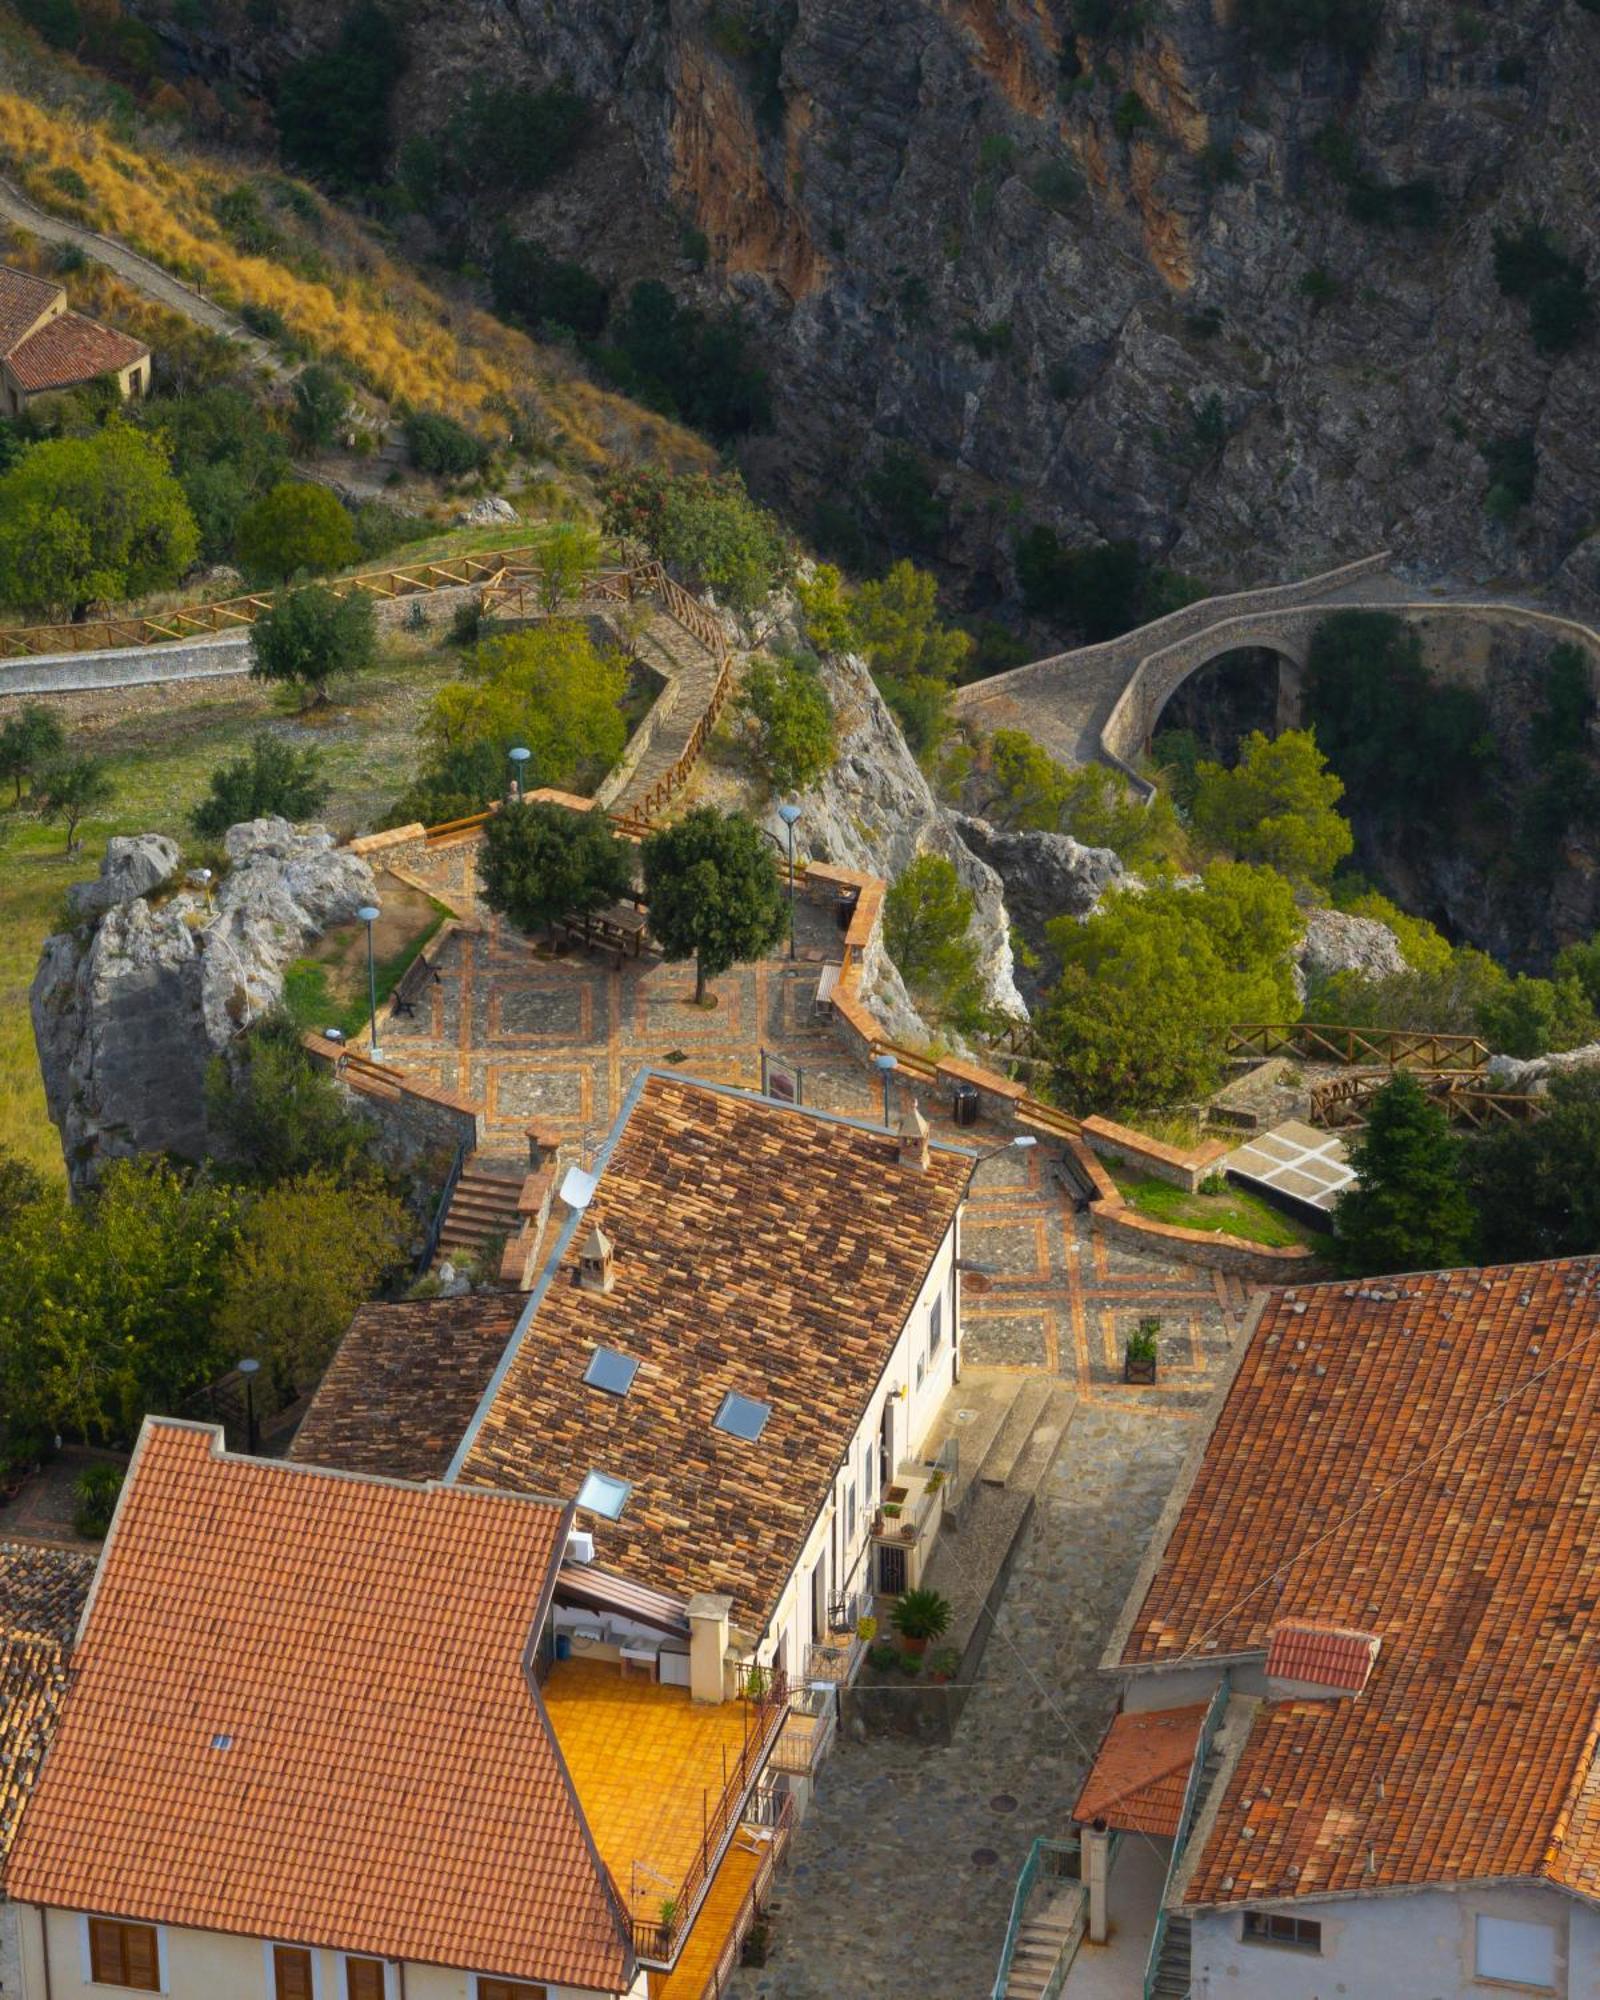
{"x": 369, "y": 914}
{"x": 885, "y": 1065}
{"x": 789, "y": 814}
{"x": 519, "y": 757}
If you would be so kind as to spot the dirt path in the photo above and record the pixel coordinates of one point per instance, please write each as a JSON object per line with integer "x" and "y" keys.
{"x": 142, "y": 273}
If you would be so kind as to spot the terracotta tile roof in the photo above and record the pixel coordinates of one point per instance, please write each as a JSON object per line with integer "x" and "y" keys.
{"x": 41, "y": 1596}
{"x": 1414, "y": 1458}
{"x": 1328, "y": 1655}
{"x": 24, "y": 300}
{"x": 1141, "y": 1771}
{"x": 404, "y": 1384}
{"x": 70, "y": 349}
{"x": 299, "y": 1711}
{"x": 759, "y": 1249}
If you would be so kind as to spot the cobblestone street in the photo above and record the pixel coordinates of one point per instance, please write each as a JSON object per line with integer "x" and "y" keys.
{"x": 900, "y": 1879}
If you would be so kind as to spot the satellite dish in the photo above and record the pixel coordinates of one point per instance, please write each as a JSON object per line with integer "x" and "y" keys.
{"x": 577, "y": 1190}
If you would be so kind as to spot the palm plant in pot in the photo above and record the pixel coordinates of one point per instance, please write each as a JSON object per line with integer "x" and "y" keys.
{"x": 920, "y": 1616}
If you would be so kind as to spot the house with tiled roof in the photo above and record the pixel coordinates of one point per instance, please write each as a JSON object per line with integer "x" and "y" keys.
{"x": 46, "y": 347}
{"x": 1356, "y": 1745}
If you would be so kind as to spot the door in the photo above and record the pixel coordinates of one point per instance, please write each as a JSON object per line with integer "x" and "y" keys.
{"x": 819, "y": 1602}
{"x": 886, "y": 1448}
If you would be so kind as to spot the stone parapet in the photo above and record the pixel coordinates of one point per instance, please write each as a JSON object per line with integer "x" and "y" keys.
{"x": 1183, "y": 1167}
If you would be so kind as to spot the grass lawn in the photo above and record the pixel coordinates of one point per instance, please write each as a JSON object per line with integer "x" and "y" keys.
{"x": 329, "y": 987}
{"x": 162, "y": 744}
{"x": 1236, "y": 1213}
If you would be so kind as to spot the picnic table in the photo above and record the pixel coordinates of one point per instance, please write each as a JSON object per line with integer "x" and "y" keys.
{"x": 619, "y": 927}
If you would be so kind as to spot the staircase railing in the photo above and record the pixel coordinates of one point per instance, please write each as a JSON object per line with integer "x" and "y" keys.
{"x": 430, "y": 1248}
{"x": 1191, "y": 1801}
{"x": 1058, "y": 1851}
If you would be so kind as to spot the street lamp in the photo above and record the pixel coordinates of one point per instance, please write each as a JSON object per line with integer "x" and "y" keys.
{"x": 369, "y": 914}
{"x": 249, "y": 1370}
{"x": 885, "y": 1065}
{"x": 519, "y": 757}
{"x": 789, "y": 814}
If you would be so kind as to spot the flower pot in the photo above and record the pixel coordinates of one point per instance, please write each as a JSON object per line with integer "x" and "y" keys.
{"x": 1139, "y": 1368}
{"x": 915, "y": 1647}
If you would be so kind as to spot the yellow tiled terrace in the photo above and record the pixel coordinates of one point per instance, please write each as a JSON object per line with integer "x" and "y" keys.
{"x": 713, "y": 1926}
{"x": 649, "y": 1766}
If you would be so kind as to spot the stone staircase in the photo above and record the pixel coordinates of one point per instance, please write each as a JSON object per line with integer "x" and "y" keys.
{"x": 1048, "y": 1934}
{"x": 1174, "y": 1971}
{"x": 679, "y": 657}
{"x": 483, "y": 1207}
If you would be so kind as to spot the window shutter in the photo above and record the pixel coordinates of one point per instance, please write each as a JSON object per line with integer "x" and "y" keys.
{"x": 105, "y": 1951}
{"x": 291, "y": 1970}
{"x": 142, "y": 1961}
{"x": 363, "y": 1979}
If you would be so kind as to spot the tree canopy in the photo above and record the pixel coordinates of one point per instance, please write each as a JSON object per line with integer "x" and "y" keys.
{"x": 541, "y": 862}
{"x": 296, "y": 530}
{"x": 271, "y": 778}
{"x": 1150, "y": 982}
{"x": 1409, "y": 1209}
{"x": 713, "y": 892}
{"x": 1275, "y": 806}
{"x": 85, "y": 519}
{"x": 1536, "y": 1185}
{"x": 927, "y": 931}
{"x": 275, "y": 1114}
{"x": 707, "y": 527}
{"x": 1021, "y": 786}
{"x": 790, "y": 722}
{"x": 312, "y": 635}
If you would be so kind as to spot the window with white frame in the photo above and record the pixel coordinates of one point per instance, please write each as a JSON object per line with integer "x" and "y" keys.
{"x": 849, "y": 1512}
{"x": 935, "y": 1326}
{"x": 294, "y": 1974}
{"x": 1522, "y": 1954}
{"x": 869, "y": 1466}
{"x": 122, "y": 1954}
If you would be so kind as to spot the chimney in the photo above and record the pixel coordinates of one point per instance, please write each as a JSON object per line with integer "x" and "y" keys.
{"x": 594, "y": 1261}
{"x": 913, "y": 1136}
{"x": 708, "y": 1643}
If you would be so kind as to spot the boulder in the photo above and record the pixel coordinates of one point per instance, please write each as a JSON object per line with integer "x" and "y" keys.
{"x": 1511, "y": 1073}
{"x": 489, "y": 512}
{"x": 1337, "y": 942}
{"x": 133, "y": 865}
{"x": 130, "y": 1007}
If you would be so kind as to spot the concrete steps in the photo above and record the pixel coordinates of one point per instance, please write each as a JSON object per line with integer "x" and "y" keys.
{"x": 1173, "y": 1970}
{"x": 1016, "y": 1430}
{"x": 1045, "y": 1936}
{"x": 483, "y": 1206}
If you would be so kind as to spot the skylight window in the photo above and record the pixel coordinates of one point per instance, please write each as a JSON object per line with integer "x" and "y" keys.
{"x": 742, "y": 1417}
{"x": 611, "y": 1370}
{"x": 602, "y": 1494}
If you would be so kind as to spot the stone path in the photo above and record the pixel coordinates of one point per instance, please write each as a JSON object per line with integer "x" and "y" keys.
{"x": 900, "y": 1879}
{"x": 669, "y": 649}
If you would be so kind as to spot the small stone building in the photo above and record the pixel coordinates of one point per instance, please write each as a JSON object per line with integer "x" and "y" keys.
{"x": 45, "y": 347}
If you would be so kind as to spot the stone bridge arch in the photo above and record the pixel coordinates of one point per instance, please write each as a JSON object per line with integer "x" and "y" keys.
{"x": 1136, "y": 715}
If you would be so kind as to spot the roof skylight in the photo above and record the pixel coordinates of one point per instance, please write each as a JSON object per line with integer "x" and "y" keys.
{"x": 611, "y": 1370}
{"x": 602, "y": 1494}
{"x": 742, "y": 1417}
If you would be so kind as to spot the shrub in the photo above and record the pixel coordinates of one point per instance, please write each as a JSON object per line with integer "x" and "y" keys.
{"x": 296, "y": 530}
{"x": 708, "y": 528}
{"x": 713, "y": 892}
{"x": 541, "y": 862}
{"x": 271, "y": 778}
{"x": 95, "y": 1492}
{"x": 321, "y": 402}
{"x": 1531, "y": 266}
{"x": 540, "y": 290}
{"x": 927, "y": 931}
{"x": 1280, "y": 29}
{"x": 921, "y": 1614}
{"x": 1513, "y": 466}
{"x": 681, "y": 361}
{"x": 1275, "y": 806}
{"x": 55, "y": 21}
{"x": 791, "y": 722}
{"x": 277, "y": 1114}
{"x": 310, "y": 637}
{"x": 902, "y": 496}
{"x": 245, "y": 222}
{"x": 440, "y": 445}
{"x": 1131, "y": 115}
{"x": 71, "y": 788}
{"x": 1101, "y": 591}
{"x": 509, "y": 140}
{"x": 31, "y": 739}
{"x": 1058, "y": 184}
{"x": 333, "y": 108}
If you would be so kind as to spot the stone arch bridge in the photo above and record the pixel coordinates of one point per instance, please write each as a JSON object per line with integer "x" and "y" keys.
{"x": 1103, "y": 702}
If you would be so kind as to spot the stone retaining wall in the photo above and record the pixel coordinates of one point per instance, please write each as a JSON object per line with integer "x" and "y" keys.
{"x": 1165, "y": 1163}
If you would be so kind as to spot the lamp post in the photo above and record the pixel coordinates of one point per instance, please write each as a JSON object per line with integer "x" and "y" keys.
{"x": 789, "y": 814}
{"x": 369, "y": 914}
{"x": 519, "y": 757}
{"x": 885, "y": 1065}
{"x": 249, "y": 1370}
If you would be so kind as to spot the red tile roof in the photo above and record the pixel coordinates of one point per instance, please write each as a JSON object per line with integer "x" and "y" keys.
{"x": 1415, "y": 1458}
{"x": 70, "y": 350}
{"x": 1324, "y": 1655}
{"x": 773, "y": 1252}
{"x": 299, "y": 1710}
{"x": 24, "y": 300}
{"x": 1141, "y": 1771}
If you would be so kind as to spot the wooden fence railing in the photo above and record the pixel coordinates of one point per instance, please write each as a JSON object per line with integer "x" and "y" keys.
{"x": 1395, "y": 1047}
{"x": 1344, "y": 1100}
{"x": 233, "y": 614}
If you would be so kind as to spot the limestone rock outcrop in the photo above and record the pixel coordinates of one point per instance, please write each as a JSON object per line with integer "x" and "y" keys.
{"x": 1045, "y": 875}
{"x": 131, "y": 1004}
{"x": 1335, "y": 941}
{"x": 1533, "y": 1076}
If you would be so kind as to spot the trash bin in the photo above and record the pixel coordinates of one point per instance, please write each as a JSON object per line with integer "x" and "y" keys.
{"x": 563, "y": 1645}
{"x": 965, "y": 1104}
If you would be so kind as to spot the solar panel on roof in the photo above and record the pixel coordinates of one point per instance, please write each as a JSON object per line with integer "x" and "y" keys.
{"x": 742, "y": 1417}
{"x": 611, "y": 1370}
{"x": 602, "y": 1494}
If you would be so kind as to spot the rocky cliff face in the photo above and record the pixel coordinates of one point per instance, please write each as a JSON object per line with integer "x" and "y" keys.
{"x": 1119, "y": 278}
{"x": 130, "y": 1006}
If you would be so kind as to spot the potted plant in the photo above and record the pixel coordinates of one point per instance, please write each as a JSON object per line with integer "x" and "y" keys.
{"x": 1139, "y": 1354}
{"x": 883, "y": 1657}
{"x": 891, "y": 1510}
{"x": 944, "y": 1664}
{"x": 918, "y": 1616}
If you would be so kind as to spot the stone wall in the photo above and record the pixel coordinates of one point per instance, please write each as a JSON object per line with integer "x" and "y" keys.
{"x": 420, "y": 1125}
{"x": 1183, "y": 1168}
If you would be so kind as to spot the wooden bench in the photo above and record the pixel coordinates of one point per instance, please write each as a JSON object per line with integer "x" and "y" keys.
{"x": 403, "y": 1000}
{"x": 827, "y": 985}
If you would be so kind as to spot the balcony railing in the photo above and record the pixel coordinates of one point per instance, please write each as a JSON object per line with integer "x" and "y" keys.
{"x": 774, "y": 1824}
{"x": 808, "y": 1731}
{"x": 765, "y": 1690}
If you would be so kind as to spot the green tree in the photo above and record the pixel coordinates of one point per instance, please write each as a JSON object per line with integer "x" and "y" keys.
{"x": 914, "y": 657}
{"x": 1150, "y": 982}
{"x": 71, "y": 788}
{"x": 709, "y": 528}
{"x": 541, "y": 862}
{"x": 30, "y": 740}
{"x": 1276, "y": 806}
{"x": 296, "y": 529}
{"x": 320, "y": 404}
{"x": 713, "y": 892}
{"x": 1536, "y": 1185}
{"x": 438, "y": 444}
{"x": 791, "y": 722}
{"x": 1408, "y": 1209}
{"x": 825, "y": 607}
{"x": 275, "y": 1113}
{"x": 688, "y": 364}
{"x": 272, "y": 778}
{"x": 1024, "y": 787}
{"x": 310, "y": 636}
{"x": 332, "y": 108}
{"x": 549, "y": 689}
{"x": 90, "y": 518}
{"x": 309, "y": 1252}
{"x": 1528, "y": 1017}
{"x": 927, "y": 931}
{"x": 568, "y": 554}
